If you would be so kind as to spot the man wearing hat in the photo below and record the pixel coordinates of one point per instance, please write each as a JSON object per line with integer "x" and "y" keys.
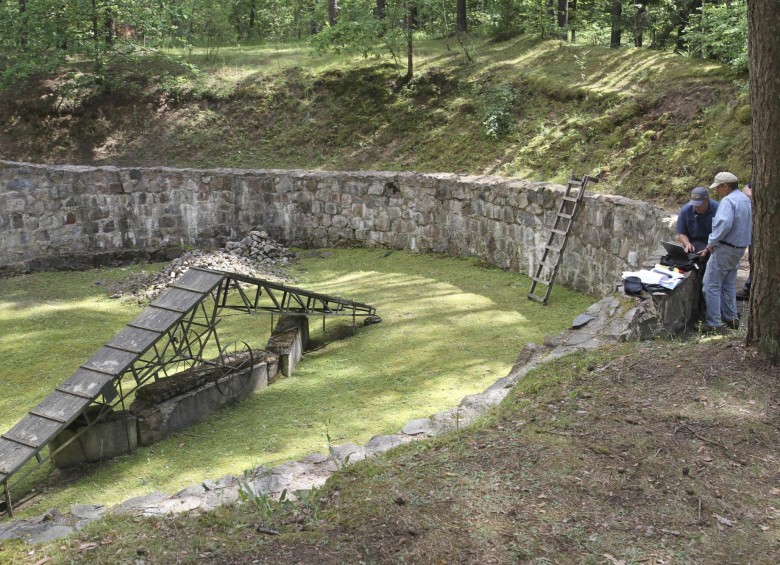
{"x": 694, "y": 224}
{"x": 732, "y": 232}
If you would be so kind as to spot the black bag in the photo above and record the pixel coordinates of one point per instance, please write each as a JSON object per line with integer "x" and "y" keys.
{"x": 684, "y": 265}
{"x": 633, "y": 285}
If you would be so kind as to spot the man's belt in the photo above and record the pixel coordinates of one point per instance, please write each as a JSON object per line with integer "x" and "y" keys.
{"x": 727, "y": 244}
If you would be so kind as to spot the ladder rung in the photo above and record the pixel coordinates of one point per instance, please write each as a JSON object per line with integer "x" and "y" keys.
{"x": 559, "y": 232}
{"x": 575, "y": 182}
{"x": 567, "y": 216}
{"x": 571, "y": 198}
{"x": 556, "y": 249}
{"x": 536, "y": 298}
{"x": 541, "y": 281}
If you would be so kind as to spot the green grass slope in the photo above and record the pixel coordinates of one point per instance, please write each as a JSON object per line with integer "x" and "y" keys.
{"x": 651, "y": 124}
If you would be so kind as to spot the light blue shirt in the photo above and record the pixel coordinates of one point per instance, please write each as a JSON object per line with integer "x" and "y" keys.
{"x": 733, "y": 221}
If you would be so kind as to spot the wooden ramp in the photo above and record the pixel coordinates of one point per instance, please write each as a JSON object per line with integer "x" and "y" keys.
{"x": 168, "y": 336}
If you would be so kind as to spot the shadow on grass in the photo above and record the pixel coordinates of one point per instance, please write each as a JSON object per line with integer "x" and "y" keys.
{"x": 450, "y": 328}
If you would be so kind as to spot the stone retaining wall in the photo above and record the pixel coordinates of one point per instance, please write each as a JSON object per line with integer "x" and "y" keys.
{"x": 51, "y": 212}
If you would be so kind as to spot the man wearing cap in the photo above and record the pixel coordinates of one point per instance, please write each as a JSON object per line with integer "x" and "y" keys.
{"x": 732, "y": 232}
{"x": 694, "y": 224}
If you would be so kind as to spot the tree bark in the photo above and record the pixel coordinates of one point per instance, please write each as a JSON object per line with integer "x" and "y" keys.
{"x": 764, "y": 52}
{"x": 639, "y": 22}
{"x": 462, "y": 25}
{"x": 617, "y": 24}
{"x": 573, "y": 19}
{"x": 563, "y": 19}
{"x": 410, "y": 22}
{"x": 332, "y": 12}
{"x": 23, "y": 18}
{"x": 380, "y": 9}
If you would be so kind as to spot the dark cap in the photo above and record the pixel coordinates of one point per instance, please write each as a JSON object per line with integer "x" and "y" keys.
{"x": 698, "y": 196}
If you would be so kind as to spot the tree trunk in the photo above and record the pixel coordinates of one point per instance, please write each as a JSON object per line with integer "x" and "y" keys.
{"x": 684, "y": 14}
{"x": 380, "y": 9}
{"x": 410, "y": 21}
{"x": 332, "y": 12}
{"x": 639, "y": 22}
{"x": 764, "y": 50}
{"x": 110, "y": 27}
{"x": 563, "y": 19}
{"x": 23, "y": 18}
{"x": 462, "y": 26}
{"x": 573, "y": 19}
{"x": 617, "y": 24}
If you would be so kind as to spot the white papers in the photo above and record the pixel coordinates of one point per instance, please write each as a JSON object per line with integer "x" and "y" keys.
{"x": 660, "y": 276}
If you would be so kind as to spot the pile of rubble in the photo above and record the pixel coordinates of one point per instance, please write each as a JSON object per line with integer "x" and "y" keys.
{"x": 255, "y": 255}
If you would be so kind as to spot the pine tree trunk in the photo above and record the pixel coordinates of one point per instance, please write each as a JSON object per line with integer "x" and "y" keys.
{"x": 617, "y": 24}
{"x": 462, "y": 25}
{"x": 764, "y": 49}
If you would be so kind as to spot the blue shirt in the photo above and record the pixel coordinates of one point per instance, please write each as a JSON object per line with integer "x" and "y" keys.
{"x": 697, "y": 227}
{"x": 733, "y": 222}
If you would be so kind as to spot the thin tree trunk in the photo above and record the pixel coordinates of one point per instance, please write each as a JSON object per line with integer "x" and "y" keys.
{"x": 764, "y": 50}
{"x": 332, "y": 12}
{"x": 23, "y": 18}
{"x": 573, "y": 19}
{"x": 563, "y": 19}
{"x": 410, "y": 21}
{"x": 640, "y": 23}
{"x": 380, "y": 9}
{"x": 462, "y": 25}
{"x": 617, "y": 24}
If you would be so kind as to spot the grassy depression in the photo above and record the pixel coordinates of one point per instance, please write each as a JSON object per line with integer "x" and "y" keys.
{"x": 450, "y": 328}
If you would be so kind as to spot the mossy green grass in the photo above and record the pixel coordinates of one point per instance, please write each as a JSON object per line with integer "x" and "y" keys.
{"x": 451, "y": 327}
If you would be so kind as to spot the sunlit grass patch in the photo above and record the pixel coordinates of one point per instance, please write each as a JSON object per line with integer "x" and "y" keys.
{"x": 450, "y": 328}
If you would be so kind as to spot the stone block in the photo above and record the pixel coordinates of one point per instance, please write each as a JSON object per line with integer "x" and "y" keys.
{"x": 288, "y": 340}
{"x": 115, "y": 435}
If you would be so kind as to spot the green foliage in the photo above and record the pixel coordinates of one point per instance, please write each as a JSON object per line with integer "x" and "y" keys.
{"x": 496, "y": 110}
{"x": 720, "y": 32}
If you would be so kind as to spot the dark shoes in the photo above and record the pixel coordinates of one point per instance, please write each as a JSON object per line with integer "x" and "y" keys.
{"x": 743, "y": 294}
{"x": 722, "y": 329}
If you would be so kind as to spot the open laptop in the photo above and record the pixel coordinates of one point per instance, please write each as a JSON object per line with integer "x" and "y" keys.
{"x": 678, "y": 251}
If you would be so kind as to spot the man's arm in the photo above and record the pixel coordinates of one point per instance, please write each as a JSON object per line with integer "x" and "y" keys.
{"x": 682, "y": 232}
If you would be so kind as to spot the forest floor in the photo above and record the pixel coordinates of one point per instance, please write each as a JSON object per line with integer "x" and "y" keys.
{"x": 661, "y": 452}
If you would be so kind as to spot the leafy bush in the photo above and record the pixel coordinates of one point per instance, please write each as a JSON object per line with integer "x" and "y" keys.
{"x": 720, "y": 32}
{"x": 497, "y": 110}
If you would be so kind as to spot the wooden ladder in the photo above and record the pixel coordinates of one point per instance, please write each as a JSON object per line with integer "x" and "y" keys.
{"x": 559, "y": 235}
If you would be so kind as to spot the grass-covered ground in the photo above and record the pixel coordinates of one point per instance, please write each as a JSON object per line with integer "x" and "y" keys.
{"x": 651, "y": 124}
{"x": 637, "y": 454}
{"x": 450, "y": 328}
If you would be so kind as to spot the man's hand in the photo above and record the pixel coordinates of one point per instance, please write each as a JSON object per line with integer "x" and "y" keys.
{"x": 688, "y": 246}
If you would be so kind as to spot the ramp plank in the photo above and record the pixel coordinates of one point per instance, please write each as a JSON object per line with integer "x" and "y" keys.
{"x": 156, "y": 319}
{"x": 33, "y": 431}
{"x": 61, "y": 407}
{"x": 199, "y": 281}
{"x": 111, "y": 361}
{"x": 85, "y": 383}
{"x": 137, "y": 340}
{"x": 13, "y": 456}
{"x": 178, "y": 299}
